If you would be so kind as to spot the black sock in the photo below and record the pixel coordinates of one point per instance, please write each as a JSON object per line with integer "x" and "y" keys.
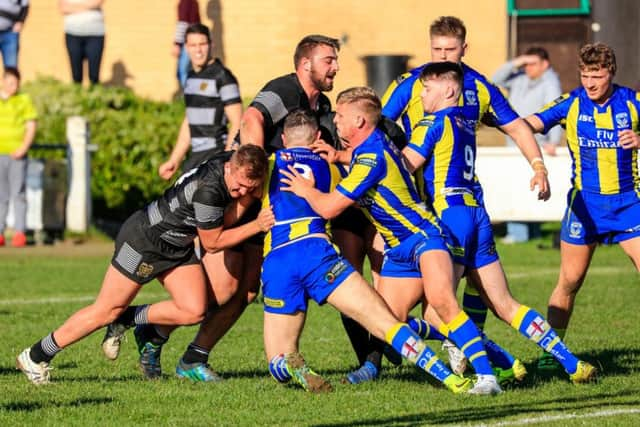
{"x": 149, "y": 333}
{"x": 134, "y": 315}
{"x": 375, "y": 355}
{"x": 195, "y": 354}
{"x": 44, "y": 350}
{"x": 358, "y": 336}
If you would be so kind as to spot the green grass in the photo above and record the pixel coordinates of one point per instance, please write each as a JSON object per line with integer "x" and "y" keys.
{"x": 40, "y": 288}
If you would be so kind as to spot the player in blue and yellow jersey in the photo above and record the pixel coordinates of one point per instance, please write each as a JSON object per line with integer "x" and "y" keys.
{"x": 481, "y": 100}
{"x": 322, "y": 274}
{"x": 414, "y": 240}
{"x": 601, "y": 121}
{"x": 444, "y": 145}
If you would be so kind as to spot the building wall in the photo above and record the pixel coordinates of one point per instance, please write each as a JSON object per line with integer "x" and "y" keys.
{"x": 256, "y": 39}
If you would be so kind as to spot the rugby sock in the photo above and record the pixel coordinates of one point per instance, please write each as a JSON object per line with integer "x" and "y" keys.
{"x": 150, "y": 333}
{"x": 376, "y": 350}
{"x": 464, "y": 333}
{"x": 45, "y": 349}
{"x": 532, "y": 325}
{"x": 195, "y": 354}
{"x": 358, "y": 336}
{"x": 409, "y": 345}
{"x": 424, "y": 329}
{"x": 134, "y": 315}
{"x": 473, "y": 305}
{"x": 278, "y": 369}
{"x": 498, "y": 356}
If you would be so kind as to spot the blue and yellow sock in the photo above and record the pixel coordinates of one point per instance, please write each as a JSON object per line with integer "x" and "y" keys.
{"x": 278, "y": 369}
{"x": 473, "y": 305}
{"x": 532, "y": 325}
{"x": 410, "y": 346}
{"x": 498, "y": 356}
{"x": 464, "y": 333}
{"x": 424, "y": 329}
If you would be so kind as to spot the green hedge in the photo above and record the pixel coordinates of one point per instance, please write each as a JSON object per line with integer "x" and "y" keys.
{"x": 133, "y": 135}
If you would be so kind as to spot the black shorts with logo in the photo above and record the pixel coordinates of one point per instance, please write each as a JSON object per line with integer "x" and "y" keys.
{"x": 142, "y": 259}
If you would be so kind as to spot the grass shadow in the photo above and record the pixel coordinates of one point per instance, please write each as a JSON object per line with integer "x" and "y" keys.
{"x": 25, "y": 406}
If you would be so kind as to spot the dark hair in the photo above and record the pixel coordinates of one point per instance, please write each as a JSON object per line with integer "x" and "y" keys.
{"x": 538, "y": 51}
{"x": 595, "y": 56}
{"x": 197, "y": 29}
{"x": 307, "y": 44}
{"x": 448, "y": 26}
{"x": 12, "y": 71}
{"x": 253, "y": 158}
{"x": 443, "y": 70}
{"x": 365, "y": 98}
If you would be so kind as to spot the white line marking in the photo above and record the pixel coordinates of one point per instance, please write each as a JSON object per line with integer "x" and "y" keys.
{"x": 61, "y": 300}
{"x": 550, "y": 418}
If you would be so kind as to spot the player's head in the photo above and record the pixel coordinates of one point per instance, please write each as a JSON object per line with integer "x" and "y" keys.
{"x": 197, "y": 42}
{"x": 442, "y": 83}
{"x": 300, "y": 129}
{"x": 246, "y": 170}
{"x": 597, "y": 63}
{"x": 448, "y": 39}
{"x": 10, "y": 81}
{"x": 358, "y": 111}
{"x": 538, "y": 62}
{"x": 316, "y": 60}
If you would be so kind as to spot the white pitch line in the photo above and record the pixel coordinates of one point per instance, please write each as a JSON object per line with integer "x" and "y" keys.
{"x": 61, "y": 300}
{"x": 546, "y": 271}
{"x": 550, "y": 418}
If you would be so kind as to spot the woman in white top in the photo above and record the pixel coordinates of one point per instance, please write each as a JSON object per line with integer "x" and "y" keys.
{"x": 84, "y": 35}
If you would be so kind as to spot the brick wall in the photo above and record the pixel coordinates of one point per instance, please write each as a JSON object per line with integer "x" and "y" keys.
{"x": 256, "y": 38}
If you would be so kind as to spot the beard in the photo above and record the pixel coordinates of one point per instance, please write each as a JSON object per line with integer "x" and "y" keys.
{"x": 323, "y": 82}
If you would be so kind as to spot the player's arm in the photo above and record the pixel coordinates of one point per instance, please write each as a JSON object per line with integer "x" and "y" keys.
{"x": 424, "y": 137}
{"x": 397, "y": 96}
{"x": 327, "y": 205}
{"x": 252, "y": 127}
{"x": 168, "y": 168}
{"x": 219, "y": 238}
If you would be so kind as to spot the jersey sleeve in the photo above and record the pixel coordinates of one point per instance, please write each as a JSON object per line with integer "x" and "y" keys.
{"x": 425, "y": 136}
{"x": 555, "y": 112}
{"x": 275, "y": 101}
{"x": 500, "y": 110}
{"x": 208, "y": 208}
{"x": 397, "y": 96}
{"x": 366, "y": 171}
{"x": 229, "y": 89}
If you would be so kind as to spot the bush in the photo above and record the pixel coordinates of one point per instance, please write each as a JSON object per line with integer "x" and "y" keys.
{"x": 133, "y": 136}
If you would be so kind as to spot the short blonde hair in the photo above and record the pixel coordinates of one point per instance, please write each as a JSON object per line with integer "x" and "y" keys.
{"x": 366, "y": 100}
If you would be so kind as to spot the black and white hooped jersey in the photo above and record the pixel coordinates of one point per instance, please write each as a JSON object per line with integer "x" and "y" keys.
{"x": 197, "y": 200}
{"x": 206, "y": 93}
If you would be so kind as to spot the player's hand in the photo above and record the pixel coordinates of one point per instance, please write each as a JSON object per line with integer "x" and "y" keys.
{"x": 628, "y": 139}
{"x": 541, "y": 182}
{"x": 295, "y": 182}
{"x": 326, "y": 151}
{"x": 265, "y": 219}
{"x": 175, "y": 50}
{"x": 167, "y": 169}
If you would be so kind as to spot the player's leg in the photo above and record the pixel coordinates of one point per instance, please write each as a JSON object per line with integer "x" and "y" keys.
{"x": 355, "y": 298}
{"x": 632, "y": 248}
{"x": 115, "y": 295}
{"x": 224, "y": 272}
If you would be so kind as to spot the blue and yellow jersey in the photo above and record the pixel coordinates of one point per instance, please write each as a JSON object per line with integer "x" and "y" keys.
{"x": 479, "y": 98}
{"x": 384, "y": 188}
{"x": 447, "y": 142}
{"x": 294, "y": 216}
{"x": 600, "y": 165}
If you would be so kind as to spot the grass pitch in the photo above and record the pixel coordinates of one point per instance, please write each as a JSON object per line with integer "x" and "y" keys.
{"x": 40, "y": 287}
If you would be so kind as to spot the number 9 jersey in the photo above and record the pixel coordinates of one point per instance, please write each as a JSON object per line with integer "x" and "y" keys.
{"x": 295, "y": 218}
{"x": 447, "y": 142}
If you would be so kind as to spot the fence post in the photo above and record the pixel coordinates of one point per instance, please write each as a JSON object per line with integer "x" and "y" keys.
{"x": 79, "y": 198}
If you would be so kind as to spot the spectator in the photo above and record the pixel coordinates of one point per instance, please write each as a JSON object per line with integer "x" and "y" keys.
{"x": 12, "y": 16}
{"x": 188, "y": 13}
{"x": 84, "y": 35}
{"x": 531, "y": 83}
{"x": 17, "y": 129}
